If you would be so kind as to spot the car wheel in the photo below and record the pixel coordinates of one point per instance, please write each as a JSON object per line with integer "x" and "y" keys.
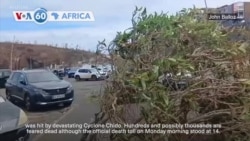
{"x": 93, "y": 77}
{"x": 8, "y": 96}
{"x": 28, "y": 104}
{"x": 78, "y": 78}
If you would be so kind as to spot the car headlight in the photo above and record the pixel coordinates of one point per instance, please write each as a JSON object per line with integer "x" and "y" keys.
{"x": 69, "y": 89}
{"x": 40, "y": 91}
{"x": 23, "y": 119}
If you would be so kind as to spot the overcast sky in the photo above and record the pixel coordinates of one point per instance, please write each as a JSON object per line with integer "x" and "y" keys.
{"x": 110, "y": 16}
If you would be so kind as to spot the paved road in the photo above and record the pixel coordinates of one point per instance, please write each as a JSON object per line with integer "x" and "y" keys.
{"x": 81, "y": 111}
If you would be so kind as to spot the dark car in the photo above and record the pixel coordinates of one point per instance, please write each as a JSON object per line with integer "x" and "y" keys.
{"x": 38, "y": 88}
{"x": 71, "y": 72}
{"x": 175, "y": 84}
{"x": 4, "y": 75}
{"x": 59, "y": 73}
{"x": 12, "y": 122}
{"x": 66, "y": 70}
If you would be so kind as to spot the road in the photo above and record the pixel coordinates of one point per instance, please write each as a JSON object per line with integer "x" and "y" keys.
{"x": 81, "y": 111}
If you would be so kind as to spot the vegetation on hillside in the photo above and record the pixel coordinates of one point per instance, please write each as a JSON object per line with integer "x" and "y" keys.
{"x": 43, "y": 54}
{"x": 219, "y": 93}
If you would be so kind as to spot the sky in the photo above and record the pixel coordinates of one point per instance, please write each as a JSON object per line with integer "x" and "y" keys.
{"x": 110, "y": 16}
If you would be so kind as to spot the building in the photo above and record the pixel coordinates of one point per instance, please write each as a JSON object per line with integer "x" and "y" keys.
{"x": 208, "y": 10}
{"x": 226, "y": 9}
{"x": 242, "y": 9}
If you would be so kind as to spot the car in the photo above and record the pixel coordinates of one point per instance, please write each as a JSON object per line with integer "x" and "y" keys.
{"x": 59, "y": 73}
{"x": 103, "y": 72}
{"x": 66, "y": 70}
{"x": 12, "y": 122}
{"x": 71, "y": 72}
{"x": 4, "y": 75}
{"x": 175, "y": 84}
{"x": 87, "y": 74}
{"x": 37, "y": 88}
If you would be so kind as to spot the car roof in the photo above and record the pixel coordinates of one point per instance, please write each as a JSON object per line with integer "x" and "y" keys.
{"x": 32, "y": 70}
{"x": 86, "y": 68}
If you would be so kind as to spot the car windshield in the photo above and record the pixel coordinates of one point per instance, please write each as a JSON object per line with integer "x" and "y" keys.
{"x": 36, "y": 77}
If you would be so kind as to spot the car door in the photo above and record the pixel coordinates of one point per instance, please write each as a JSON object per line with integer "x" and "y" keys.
{"x": 88, "y": 73}
{"x": 12, "y": 85}
{"x": 21, "y": 86}
{"x": 81, "y": 73}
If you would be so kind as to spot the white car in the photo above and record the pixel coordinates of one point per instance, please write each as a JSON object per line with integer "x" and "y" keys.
{"x": 103, "y": 72}
{"x": 87, "y": 74}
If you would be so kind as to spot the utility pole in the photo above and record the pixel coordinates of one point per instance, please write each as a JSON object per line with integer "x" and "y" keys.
{"x": 30, "y": 62}
{"x": 206, "y": 6}
{"x": 11, "y": 54}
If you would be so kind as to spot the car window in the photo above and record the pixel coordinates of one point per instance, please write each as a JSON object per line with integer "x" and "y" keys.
{"x": 94, "y": 71}
{"x": 21, "y": 78}
{"x": 15, "y": 77}
{"x": 6, "y": 73}
{"x": 83, "y": 71}
{"x": 46, "y": 76}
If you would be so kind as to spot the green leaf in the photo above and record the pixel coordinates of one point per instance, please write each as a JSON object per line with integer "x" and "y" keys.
{"x": 156, "y": 69}
{"x": 244, "y": 81}
{"x": 143, "y": 84}
{"x": 166, "y": 100}
{"x": 146, "y": 97}
{"x": 243, "y": 47}
{"x": 172, "y": 60}
{"x": 144, "y": 76}
{"x": 191, "y": 67}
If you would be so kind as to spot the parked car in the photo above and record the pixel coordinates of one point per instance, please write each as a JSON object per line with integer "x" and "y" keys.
{"x": 38, "y": 88}
{"x": 103, "y": 72}
{"x": 12, "y": 122}
{"x": 59, "y": 73}
{"x": 71, "y": 72}
{"x": 4, "y": 75}
{"x": 87, "y": 74}
{"x": 66, "y": 70}
{"x": 178, "y": 82}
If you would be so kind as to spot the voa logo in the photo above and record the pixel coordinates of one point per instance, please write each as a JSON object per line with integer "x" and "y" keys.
{"x": 38, "y": 16}
{"x": 23, "y": 16}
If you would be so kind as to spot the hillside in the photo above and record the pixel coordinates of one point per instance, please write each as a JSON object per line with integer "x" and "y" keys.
{"x": 26, "y": 54}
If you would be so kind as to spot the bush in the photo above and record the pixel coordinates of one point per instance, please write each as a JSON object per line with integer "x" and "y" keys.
{"x": 219, "y": 93}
